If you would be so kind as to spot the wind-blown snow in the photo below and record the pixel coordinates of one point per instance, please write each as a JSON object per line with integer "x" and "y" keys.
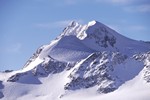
{"x": 33, "y": 64}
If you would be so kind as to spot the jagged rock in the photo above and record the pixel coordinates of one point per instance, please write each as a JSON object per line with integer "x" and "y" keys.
{"x": 1, "y": 87}
{"x": 15, "y": 78}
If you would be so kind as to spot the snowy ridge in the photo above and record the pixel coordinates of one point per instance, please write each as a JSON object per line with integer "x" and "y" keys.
{"x": 88, "y": 62}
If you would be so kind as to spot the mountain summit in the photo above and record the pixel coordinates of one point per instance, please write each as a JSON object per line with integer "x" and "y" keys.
{"x": 78, "y": 41}
{"x": 89, "y": 60}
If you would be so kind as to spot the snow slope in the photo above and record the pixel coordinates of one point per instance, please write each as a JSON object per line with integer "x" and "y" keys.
{"x": 85, "y": 62}
{"x": 51, "y": 87}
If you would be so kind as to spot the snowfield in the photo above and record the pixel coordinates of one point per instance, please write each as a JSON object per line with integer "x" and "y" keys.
{"x": 51, "y": 88}
{"x": 85, "y": 62}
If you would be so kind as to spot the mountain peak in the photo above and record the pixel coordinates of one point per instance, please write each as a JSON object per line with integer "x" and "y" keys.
{"x": 74, "y": 28}
{"x": 93, "y": 22}
{"x": 97, "y": 36}
{"x": 73, "y": 23}
{"x": 97, "y": 23}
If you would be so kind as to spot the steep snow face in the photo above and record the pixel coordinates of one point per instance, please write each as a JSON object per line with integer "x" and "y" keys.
{"x": 69, "y": 49}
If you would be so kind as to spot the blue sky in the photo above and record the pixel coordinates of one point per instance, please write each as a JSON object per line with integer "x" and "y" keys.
{"x": 25, "y": 25}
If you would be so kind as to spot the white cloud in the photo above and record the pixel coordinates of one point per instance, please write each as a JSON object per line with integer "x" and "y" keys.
{"x": 66, "y": 22}
{"x": 66, "y": 2}
{"x": 57, "y": 24}
{"x": 120, "y": 1}
{"x": 144, "y": 8}
{"x": 63, "y": 23}
{"x": 137, "y": 28}
{"x": 70, "y": 2}
{"x": 114, "y": 27}
{"x": 122, "y": 27}
{"x": 116, "y": 1}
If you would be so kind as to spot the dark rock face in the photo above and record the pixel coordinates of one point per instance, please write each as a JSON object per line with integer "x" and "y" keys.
{"x": 101, "y": 36}
{"x": 42, "y": 70}
{"x": 1, "y": 87}
{"x": 25, "y": 78}
{"x": 145, "y": 57}
{"x": 51, "y": 67}
{"x": 147, "y": 68}
{"x": 95, "y": 71}
{"x": 7, "y": 71}
{"x": 147, "y": 74}
{"x": 16, "y": 77}
{"x": 34, "y": 56}
{"x": 1, "y": 95}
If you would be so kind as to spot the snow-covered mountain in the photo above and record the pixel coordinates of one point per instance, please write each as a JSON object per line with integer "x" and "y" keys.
{"x": 85, "y": 62}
